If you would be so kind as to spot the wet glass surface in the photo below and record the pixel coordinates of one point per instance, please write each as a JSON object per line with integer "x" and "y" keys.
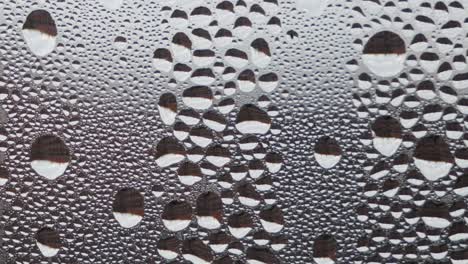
{"x": 233, "y": 131}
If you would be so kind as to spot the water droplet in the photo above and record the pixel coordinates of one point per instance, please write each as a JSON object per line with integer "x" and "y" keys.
{"x": 327, "y": 152}
{"x": 177, "y": 215}
{"x": 169, "y": 152}
{"x": 40, "y": 32}
{"x": 50, "y": 156}
{"x": 209, "y": 210}
{"x": 128, "y": 207}
{"x": 48, "y": 241}
{"x": 384, "y": 54}
{"x": 168, "y": 247}
{"x": 433, "y": 158}
{"x": 252, "y": 120}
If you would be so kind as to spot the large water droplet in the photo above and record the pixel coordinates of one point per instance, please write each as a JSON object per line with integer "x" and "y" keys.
{"x": 433, "y": 158}
{"x": 252, "y": 120}
{"x": 209, "y": 210}
{"x": 327, "y": 152}
{"x": 128, "y": 207}
{"x": 177, "y": 215}
{"x": 48, "y": 241}
{"x": 40, "y": 32}
{"x": 384, "y": 54}
{"x": 50, "y": 156}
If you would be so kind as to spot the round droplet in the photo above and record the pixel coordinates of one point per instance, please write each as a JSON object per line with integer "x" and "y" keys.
{"x": 387, "y": 135}
{"x": 325, "y": 250}
{"x": 189, "y": 173}
{"x": 198, "y": 97}
{"x": 272, "y": 219}
{"x": 167, "y": 107}
{"x": 240, "y": 224}
{"x": 40, "y": 32}
{"x": 48, "y": 242}
{"x": 181, "y": 47}
{"x": 162, "y": 60}
{"x": 168, "y": 247}
{"x": 261, "y": 54}
{"x": 209, "y": 210}
{"x": 4, "y": 176}
{"x": 196, "y": 252}
{"x": 50, "y": 156}
{"x": 169, "y": 151}
{"x": 252, "y": 120}
{"x": 384, "y": 54}
{"x": 177, "y": 215}
{"x": 327, "y": 152}
{"x": 128, "y": 207}
{"x": 433, "y": 158}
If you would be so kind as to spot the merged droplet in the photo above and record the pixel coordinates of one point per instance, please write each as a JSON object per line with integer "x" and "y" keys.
{"x": 218, "y": 155}
{"x": 189, "y": 173}
{"x": 214, "y": 120}
{"x": 436, "y": 214}
{"x": 461, "y": 157}
{"x": 219, "y": 241}
{"x": 248, "y": 195}
{"x": 459, "y": 256}
{"x": 237, "y": 58}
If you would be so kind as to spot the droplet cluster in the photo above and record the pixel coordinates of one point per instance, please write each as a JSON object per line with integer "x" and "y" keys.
{"x": 217, "y": 58}
{"x": 139, "y": 132}
{"x": 224, "y": 131}
{"x": 409, "y": 81}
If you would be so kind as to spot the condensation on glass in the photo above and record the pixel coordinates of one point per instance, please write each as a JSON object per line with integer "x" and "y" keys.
{"x": 233, "y": 131}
